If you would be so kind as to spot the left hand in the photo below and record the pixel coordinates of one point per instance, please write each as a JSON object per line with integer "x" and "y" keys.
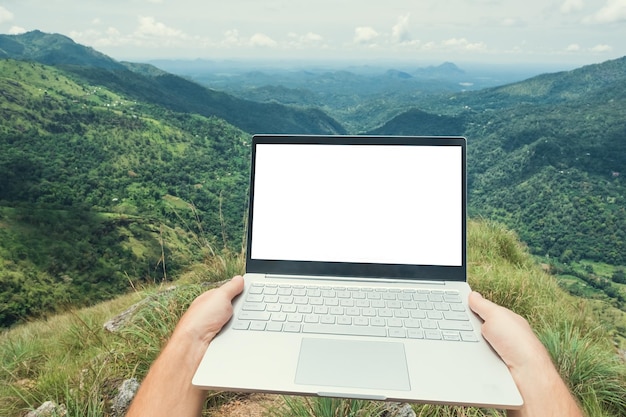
{"x": 208, "y": 313}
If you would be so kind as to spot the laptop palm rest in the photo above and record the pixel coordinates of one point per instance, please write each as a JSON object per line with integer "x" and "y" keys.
{"x": 353, "y": 364}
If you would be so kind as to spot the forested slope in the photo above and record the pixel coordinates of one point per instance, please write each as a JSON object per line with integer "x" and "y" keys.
{"x": 98, "y": 190}
{"x": 546, "y": 156}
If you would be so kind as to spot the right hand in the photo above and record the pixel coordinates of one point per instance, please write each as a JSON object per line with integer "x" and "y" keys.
{"x": 544, "y": 392}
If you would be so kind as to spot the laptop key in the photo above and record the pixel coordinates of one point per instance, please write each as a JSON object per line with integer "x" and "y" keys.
{"x": 453, "y": 336}
{"x": 415, "y": 334}
{"x": 254, "y": 315}
{"x": 257, "y": 325}
{"x": 253, "y": 307}
{"x": 274, "y": 327}
{"x": 399, "y": 333}
{"x": 456, "y": 325}
{"x": 241, "y": 325}
{"x": 468, "y": 337}
{"x": 453, "y": 315}
{"x": 291, "y": 327}
{"x": 432, "y": 334}
{"x": 344, "y": 330}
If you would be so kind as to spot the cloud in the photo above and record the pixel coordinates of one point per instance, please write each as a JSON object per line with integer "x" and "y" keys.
{"x": 231, "y": 37}
{"x": 570, "y": 6}
{"x": 464, "y": 44}
{"x": 613, "y": 11}
{"x": 308, "y": 40}
{"x": 365, "y": 34}
{"x": 260, "y": 39}
{"x": 312, "y": 37}
{"x": 511, "y": 22}
{"x": 602, "y": 48}
{"x": 574, "y": 47}
{"x": 150, "y": 28}
{"x": 5, "y": 15}
{"x": 400, "y": 32}
{"x": 16, "y": 30}
{"x": 149, "y": 33}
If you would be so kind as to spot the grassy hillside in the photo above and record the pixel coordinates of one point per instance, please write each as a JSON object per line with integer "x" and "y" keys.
{"x": 99, "y": 190}
{"x": 71, "y": 360}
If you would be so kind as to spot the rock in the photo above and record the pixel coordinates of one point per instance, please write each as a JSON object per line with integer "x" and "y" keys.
{"x": 126, "y": 393}
{"x": 117, "y": 322}
{"x": 49, "y": 409}
{"x": 399, "y": 410}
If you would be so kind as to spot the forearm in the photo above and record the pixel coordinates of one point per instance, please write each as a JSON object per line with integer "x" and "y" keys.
{"x": 167, "y": 389}
{"x": 545, "y": 394}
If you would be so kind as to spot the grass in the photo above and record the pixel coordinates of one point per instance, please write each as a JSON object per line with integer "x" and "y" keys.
{"x": 72, "y": 360}
{"x": 326, "y": 407}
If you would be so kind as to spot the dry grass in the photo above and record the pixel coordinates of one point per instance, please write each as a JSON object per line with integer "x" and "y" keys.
{"x": 72, "y": 360}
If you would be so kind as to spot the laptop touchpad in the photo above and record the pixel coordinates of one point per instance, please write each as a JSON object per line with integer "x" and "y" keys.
{"x": 353, "y": 363}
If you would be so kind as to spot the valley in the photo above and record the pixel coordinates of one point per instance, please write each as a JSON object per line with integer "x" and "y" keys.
{"x": 155, "y": 164}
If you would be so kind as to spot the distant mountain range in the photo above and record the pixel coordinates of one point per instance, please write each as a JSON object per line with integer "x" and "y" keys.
{"x": 167, "y": 90}
{"x": 360, "y": 97}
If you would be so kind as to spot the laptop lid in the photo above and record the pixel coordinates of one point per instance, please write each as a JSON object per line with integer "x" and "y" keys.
{"x": 358, "y": 206}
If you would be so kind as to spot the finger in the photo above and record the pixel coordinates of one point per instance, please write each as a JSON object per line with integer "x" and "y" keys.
{"x": 480, "y": 305}
{"x": 233, "y": 287}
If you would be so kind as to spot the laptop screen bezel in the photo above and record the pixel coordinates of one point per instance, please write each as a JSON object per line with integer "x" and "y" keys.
{"x": 350, "y": 269}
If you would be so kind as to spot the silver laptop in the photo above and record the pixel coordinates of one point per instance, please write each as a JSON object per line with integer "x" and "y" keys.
{"x": 355, "y": 281}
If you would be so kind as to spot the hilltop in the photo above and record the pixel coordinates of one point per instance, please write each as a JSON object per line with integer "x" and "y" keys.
{"x": 72, "y": 360}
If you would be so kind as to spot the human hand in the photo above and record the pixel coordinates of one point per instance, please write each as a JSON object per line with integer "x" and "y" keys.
{"x": 208, "y": 313}
{"x": 509, "y": 334}
{"x": 540, "y": 384}
{"x": 167, "y": 389}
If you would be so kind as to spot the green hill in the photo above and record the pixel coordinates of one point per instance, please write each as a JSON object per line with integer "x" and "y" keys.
{"x": 99, "y": 190}
{"x": 111, "y": 172}
{"x": 163, "y": 89}
{"x": 425, "y": 123}
{"x": 72, "y": 360}
{"x": 546, "y": 156}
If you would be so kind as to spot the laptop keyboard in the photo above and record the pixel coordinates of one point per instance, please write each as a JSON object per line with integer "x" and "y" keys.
{"x": 358, "y": 311}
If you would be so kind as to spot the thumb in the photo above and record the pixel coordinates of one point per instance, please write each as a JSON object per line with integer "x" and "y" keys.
{"x": 480, "y": 305}
{"x": 233, "y": 287}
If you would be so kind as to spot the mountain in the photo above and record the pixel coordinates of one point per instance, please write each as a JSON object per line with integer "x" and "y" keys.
{"x": 427, "y": 124}
{"x": 447, "y": 70}
{"x": 546, "y": 156}
{"x": 167, "y": 90}
{"x": 53, "y": 49}
{"x": 360, "y": 97}
{"x": 100, "y": 192}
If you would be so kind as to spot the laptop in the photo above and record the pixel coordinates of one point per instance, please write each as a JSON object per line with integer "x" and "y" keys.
{"x": 355, "y": 283}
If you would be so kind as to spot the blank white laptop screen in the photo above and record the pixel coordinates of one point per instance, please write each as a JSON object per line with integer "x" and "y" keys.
{"x": 358, "y": 203}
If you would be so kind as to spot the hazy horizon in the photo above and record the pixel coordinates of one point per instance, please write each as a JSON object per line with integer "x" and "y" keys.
{"x": 560, "y": 34}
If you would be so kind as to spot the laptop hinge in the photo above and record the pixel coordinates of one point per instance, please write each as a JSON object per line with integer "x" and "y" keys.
{"x": 353, "y": 279}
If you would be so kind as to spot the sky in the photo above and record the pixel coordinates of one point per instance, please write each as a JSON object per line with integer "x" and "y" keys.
{"x": 567, "y": 33}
